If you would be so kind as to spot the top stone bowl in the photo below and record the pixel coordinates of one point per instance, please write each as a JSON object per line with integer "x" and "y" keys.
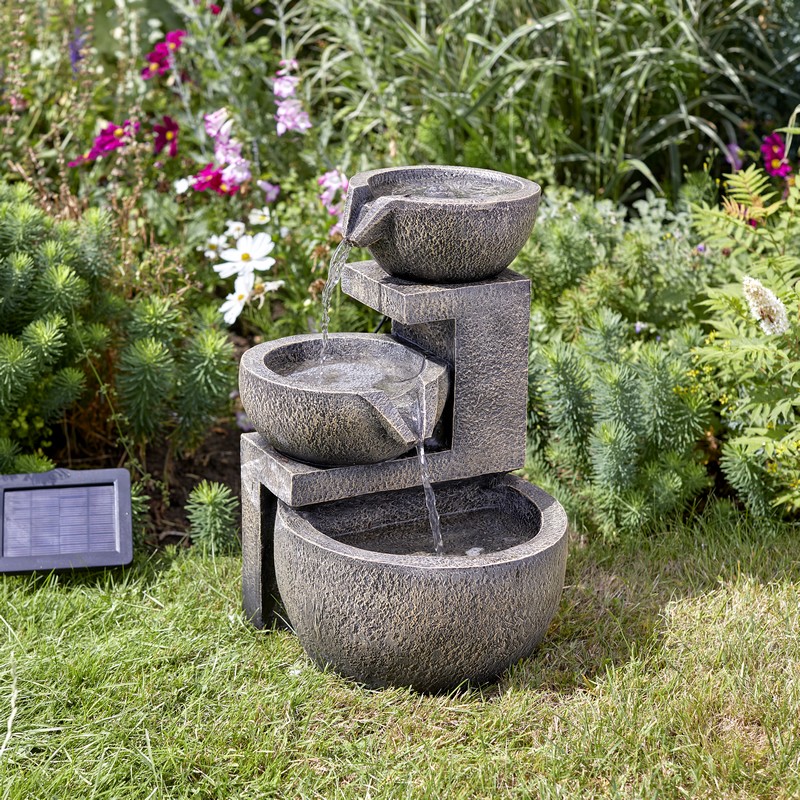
{"x": 440, "y": 224}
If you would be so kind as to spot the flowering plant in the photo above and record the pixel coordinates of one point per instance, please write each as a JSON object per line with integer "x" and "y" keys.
{"x": 752, "y": 355}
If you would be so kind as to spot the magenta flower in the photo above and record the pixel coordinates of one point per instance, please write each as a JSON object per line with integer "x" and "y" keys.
{"x": 112, "y": 137}
{"x": 288, "y": 65}
{"x": 773, "y": 150}
{"x": 215, "y": 9}
{"x": 174, "y": 39}
{"x": 160, "y": 58}
{"x": 158, "y": 64}
{"x": 271, "y": 190}
{"x": 166, "y": 134}
{"x": 291, "y": 117}
{"x": 210, "y": 178}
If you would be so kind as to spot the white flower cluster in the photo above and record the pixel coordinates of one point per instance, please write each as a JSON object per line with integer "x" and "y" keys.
{"x": 248, "y": 254}
{"x": 765, "y": 306}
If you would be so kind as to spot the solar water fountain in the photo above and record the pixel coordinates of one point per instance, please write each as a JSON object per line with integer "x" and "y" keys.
{"x": 335, "y": 522}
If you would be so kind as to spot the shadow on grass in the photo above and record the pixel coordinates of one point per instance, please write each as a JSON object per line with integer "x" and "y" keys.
{"x": 144, "y": 570}
{"x": 614, "y": 596}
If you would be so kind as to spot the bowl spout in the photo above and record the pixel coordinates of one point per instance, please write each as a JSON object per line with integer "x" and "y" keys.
{"x": 367, "y": 217}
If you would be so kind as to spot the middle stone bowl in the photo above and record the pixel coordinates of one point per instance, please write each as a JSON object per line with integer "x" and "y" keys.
{"x": 370, "y": 400}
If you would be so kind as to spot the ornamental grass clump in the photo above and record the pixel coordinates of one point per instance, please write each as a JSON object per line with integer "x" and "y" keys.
{"x": 53, "y": 311}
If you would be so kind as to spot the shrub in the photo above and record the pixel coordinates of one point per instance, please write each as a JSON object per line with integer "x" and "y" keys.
{"x": 611, "y": 418}
{"x": 53, "y": 307}
{"x": 212, "y": 511}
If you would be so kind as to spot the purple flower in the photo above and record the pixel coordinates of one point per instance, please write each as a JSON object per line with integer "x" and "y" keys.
{"x": 214, "y": 121}
{"x": 733, "y": 155}
{"x": 237, "y": 171}
{"x": 291, "y": 117}
{"x": 76, "y": 45}
{"x": 639, "y": 326}
{"x": 271, "y": 190}
{"x": 701, "y": 248}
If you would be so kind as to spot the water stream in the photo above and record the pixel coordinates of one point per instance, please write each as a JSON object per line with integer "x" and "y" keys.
{"x": 430, "y": 498}
{"x": 350, "y": 375}
{"x": 338, "y": 260}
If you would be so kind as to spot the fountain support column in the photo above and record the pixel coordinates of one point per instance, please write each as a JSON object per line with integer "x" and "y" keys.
{"x": 481, "y": 330}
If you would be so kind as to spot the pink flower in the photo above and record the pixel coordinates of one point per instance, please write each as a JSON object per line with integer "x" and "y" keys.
{"x": 210, "y": 178}
{"x": 331, "y": 183}
{"x": 291, "y": 117}
{"x": 288, "y": 65}
{"x": 271, "y": 190}
{"x": 174, "y": 39}
{"x": 237, "y": 171}
{"x": 215, "y": 9}
{"x": 227, "y": 150}
{"x": 214, "y": 121}
{"x": 773, "y": 151}
{"x": 112, "y": 137}
{"x": 166, "y": 134}
{"x": 284, "y": 85}
{"x": 159, "y": 64}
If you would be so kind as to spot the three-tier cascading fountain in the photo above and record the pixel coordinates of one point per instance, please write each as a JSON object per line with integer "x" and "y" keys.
{"x": 335, "y": 523}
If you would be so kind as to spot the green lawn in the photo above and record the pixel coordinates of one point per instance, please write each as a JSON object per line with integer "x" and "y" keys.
{"x": 671, "y": 670}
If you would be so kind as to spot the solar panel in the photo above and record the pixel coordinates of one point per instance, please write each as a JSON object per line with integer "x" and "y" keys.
{"x": 64, "y": 519}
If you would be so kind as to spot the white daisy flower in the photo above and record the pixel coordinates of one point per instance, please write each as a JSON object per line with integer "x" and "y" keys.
{"x": 234, "y": 303}
{"x": 181, "y": 186}
{"x": 234, "y": 229}
{"x": 251, "y": 252}
{"x": 259, "y": 216}
{"x": 214, "y": 246}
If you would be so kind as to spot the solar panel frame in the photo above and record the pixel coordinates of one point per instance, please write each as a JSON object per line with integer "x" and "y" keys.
{"x": 75, "y": 519}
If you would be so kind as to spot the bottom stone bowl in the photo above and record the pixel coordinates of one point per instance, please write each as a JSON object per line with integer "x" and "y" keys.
{"x": 366, "y": 597}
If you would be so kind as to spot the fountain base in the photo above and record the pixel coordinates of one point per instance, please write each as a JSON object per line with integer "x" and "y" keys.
{"x": 390, "y": 615}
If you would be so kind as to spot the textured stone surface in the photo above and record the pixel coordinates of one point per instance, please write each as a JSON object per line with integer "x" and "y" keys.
{"x": 430, "y": 622}
{"x": 486, "y": 415}
{"x": 440, "y": 239}
{"x": 482, "y": 330}
{"x": 331, "y": 426}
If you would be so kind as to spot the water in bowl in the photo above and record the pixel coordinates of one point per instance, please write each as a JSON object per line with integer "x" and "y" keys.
{"x": 436, "y": 189}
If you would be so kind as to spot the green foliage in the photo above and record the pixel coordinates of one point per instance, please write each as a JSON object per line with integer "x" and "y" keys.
{"x": 48, "y": 298}
{"x": 586, "y": 256}
{"x": 176, "y": 371}
{"x": 615, "y": 95}
{"x": 211, "y": 510}
{"x": 614, "y": 421}
{"x": 751, "y": 359}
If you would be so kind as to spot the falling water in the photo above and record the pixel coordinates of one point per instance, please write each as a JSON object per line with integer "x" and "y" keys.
{"x": 430, "y": 497}
{"x": 338, "y": 260}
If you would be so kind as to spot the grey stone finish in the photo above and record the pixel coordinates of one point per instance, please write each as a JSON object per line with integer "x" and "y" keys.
{"x": 341, "y": 542}
{"x": 325, "y": 426}
{"x": 429, "y": 622}
{"x": 482, "y": 330}
{"x": 440, "y": 239}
